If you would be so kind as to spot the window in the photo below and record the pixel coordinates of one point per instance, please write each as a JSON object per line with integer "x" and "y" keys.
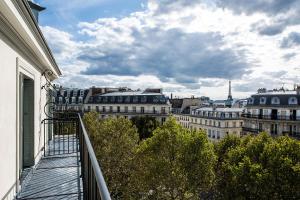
{"x": 98, "y": 99}
{"x": 75, "y": 93}
{"x": 105, "y": 99}
{"x": 293, "y": 101}
{"x": 226, "y": 124}
{"x": 127, "y": 99}
{"x": 73, "y": 100}
{"x": 81, "y": 93}
{"x": 97, "y": 108}
{"x": 60, "y": 100}
{"x": 144, "y": 99}
{"x": 134, "y": 109}
{"x": 262, "y": 100}
{"x": 89, "y": 108}
{"x": 241, "y": 124}
{"x": 135, "y": 99}
{"x": 234, "y": 124}
{"x": 103, "y": 109}
{"x": 118, "y": 109}
{"x": 142, "y": 109}
{"x": 112, "y": 99}
{"x": 110, "y": 108}
{"x": 120, "y": 99}
{"x": 154, "y": 110}
{"x": 126, "y": 109}
{"x": 219, "y": 124}
{"x": 67, "y": 100}
{"x": 80, "y": 100}
{"x": 163, "y": 110}
{"x": 163, "y": 119}
{"x": 251, "y": 100}
{"x": 275, "y": 100}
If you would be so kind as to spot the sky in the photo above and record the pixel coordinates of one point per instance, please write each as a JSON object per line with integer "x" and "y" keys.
{"x": 185, "y": 47}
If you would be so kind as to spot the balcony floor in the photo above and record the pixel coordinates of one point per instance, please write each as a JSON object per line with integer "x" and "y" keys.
{"x": 55, "y": 177}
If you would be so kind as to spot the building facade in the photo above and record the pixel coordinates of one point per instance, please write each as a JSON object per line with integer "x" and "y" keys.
{"x": 26, "y": 65}
{"x": 70, "y": 99}
{"x": 216, "y": 122}
{"x": 276, "y": 112}
{"x": 129, "y": 104}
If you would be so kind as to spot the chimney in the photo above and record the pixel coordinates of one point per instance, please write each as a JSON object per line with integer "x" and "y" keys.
{"x": 298, "y": 89}
{"x": 171, "y": 96}
{"x": 35, "y": 8}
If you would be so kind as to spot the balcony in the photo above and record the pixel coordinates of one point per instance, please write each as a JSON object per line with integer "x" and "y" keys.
{"x": 130, "y": 112}
{"x": 251, "y": 130}
{"x": 272, "y": 117}
{"x": 292, "y": 134}
{"x": 68, "y": 168}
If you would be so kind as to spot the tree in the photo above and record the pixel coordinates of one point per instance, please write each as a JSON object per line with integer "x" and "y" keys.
{"x": 114, "y": 141}
{"x": 175, "y": 163}
{"x": 145, "y": 125}
{"x": 258, "y": 167}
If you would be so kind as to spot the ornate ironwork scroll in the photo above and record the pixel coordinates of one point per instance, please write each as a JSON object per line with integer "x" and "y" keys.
{"x": 51, "y": 104}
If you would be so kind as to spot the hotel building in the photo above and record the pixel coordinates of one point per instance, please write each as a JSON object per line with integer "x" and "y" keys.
{"x": 128, "y": 104}
{"x": 275, "y": 111}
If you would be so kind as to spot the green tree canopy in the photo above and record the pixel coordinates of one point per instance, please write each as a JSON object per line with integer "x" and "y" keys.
{"x": 175, "y": 163}
{"x": 258, "y": 167}
{"x": 114, "y": 141}
{"x": 145, "y": 125}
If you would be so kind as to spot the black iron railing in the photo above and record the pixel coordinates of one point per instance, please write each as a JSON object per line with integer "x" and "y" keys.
{"x": 272, "y": 117}
{"x": 94, "y": 186}
{"x": 65, "y": 133}
{"x": 251, "y": 130}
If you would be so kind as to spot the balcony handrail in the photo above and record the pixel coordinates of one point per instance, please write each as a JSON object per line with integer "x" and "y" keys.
{"x": 103, "y": 190}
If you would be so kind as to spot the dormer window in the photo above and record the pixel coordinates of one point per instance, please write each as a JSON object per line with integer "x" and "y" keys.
{"x": 262, "y": 100}
{"x": 251, "y": 100}
{"x": 293, "y": 101}
{"x": 74, "y": 93}
{"x": 143, "y": 99}
{"x": 127, "y": 99}
{"x": 135, "y": 99}
{"x": 112, "y": 99}
{"x": 120, "y": 99}
{"x": 105, "y": 99}
{"x": 155, "y": 99}
{"x": 98, "y": 99}
{"x": 68, "y": 93}
{"x": 275, "y": 100}
{"x": 81, "y": 92}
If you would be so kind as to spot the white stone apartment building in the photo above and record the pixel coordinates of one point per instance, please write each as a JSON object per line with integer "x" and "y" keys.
{"x": 217, "y": 122}
{"x": 275, "y": 111}
{"x": 24, "y": 57}
{"x": 130, "y": 103}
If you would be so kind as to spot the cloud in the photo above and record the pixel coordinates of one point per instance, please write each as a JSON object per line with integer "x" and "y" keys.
{"x": 188, "y": 47}
{"x": 268, "y": 29}
{"x": 292, "y": 40}
{"x": 289, "y": 56}
{"x": 270, "y": 7}
{"x": 283, "y": 13}
{"x": 185, "y": 57}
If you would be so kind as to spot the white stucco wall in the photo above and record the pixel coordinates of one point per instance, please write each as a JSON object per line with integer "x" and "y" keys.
{"x": 8, "y": 113}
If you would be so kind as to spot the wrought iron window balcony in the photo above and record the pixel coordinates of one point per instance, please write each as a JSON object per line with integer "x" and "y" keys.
{"x": 132, "y": 112}
{"x": 272, "y": 117}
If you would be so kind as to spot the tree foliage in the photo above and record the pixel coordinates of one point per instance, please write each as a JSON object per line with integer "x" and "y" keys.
{"x": 258, "y": 167}
{"x": 145, "y": 125}
{"x": 177, "y": 163}
{"x": 114, "y": 141}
